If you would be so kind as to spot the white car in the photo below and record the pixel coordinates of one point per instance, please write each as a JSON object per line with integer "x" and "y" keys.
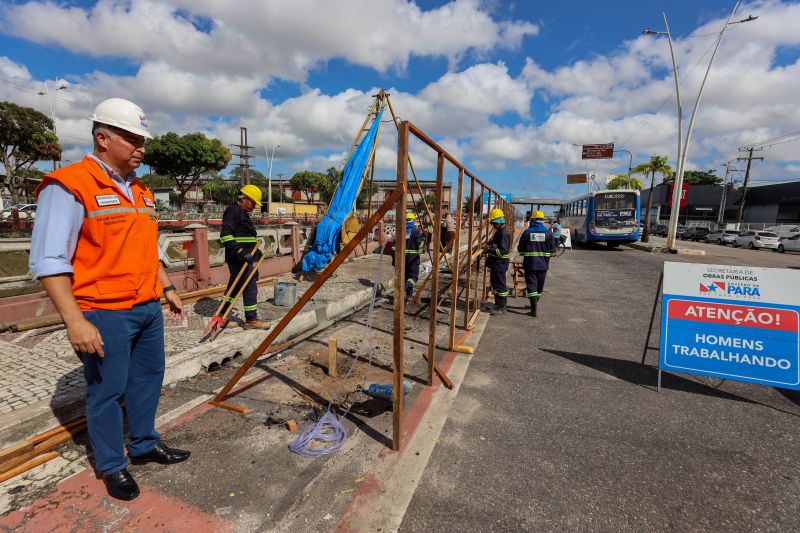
{"x": 785, "y": 230}
{"x": 26, "y": 211}
{"x": 790, "y": 244}
{"x": 756, "y": 239}
{"x": 721, "y": 236}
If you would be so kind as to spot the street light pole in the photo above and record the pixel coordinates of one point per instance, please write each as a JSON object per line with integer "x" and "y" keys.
{"x": 683, "y": 147}
{"x": 630, "y": 164}
{"x": 52, "y": 104}
{"x": 269, "y": 179}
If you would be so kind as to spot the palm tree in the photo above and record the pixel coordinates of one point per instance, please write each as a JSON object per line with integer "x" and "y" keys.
{"x": 621, "y": 181}
{"x": 657, "y": 165}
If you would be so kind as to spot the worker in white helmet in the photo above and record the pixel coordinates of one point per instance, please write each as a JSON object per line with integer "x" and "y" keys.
{"x": 95, "y": 250}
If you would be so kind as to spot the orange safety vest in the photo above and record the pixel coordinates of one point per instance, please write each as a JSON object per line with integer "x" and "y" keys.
{"x": 116, "y": 258}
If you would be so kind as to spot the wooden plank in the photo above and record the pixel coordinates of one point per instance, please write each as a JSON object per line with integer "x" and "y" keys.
{"x": 332, "y": 357}
{"x": 468, "y": 299}
{"x": 455, "y": 274}
{"x": 236, "y": 408}
{"x": 446, "y": 381}
{"x": 15, "y": 450}
{"x": 309, "y": 293}
{"x": 72, "y": 427}
{"x": 33, "y": 463}
{"x": 437, "y": 236}
{"x": 398, "y": 317}
{"x": 38, "y": 449}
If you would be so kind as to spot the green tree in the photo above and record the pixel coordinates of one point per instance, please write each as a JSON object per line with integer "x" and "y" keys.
{"x": 621, "y": 181}
{"x": 218, "y": 189}
{"x": 26, "y": 136}
{"x": 185, "y": 158}
{"x": 256, "y": 177}
{"x": 657, "y": 165}
{"x": 419, "y": 205}
{"x": 153, "y": 180}
{"x": 308, "y": 183}
{"x": 698, "y": 177}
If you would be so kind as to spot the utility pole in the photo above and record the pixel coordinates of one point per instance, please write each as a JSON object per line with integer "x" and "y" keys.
{"x": 724, "y": 199}
{"x": 749, "y": 160}
{"x": 244, "y": 156}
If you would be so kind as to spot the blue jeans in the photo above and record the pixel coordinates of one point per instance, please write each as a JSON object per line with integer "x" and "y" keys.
{"x": 131, "y": 370}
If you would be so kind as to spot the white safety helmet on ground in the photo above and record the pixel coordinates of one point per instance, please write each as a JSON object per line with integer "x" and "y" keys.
{"x": 122, "y": 114}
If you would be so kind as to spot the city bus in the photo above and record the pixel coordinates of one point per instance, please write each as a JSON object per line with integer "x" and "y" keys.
{"x": 610, "y": 216}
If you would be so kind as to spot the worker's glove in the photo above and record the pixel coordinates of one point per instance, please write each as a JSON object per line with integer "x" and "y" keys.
{"x": 244, "y": 256}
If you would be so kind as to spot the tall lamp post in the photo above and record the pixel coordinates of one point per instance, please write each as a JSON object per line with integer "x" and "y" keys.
{"x": 683, "y": 147}
{"x": 630, "y": 164}
{"x": 269, "y": 178}
{"x": 46, "y": 92}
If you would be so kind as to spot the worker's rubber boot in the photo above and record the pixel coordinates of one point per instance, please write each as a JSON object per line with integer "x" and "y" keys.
{"x": 534, "y": 301}
{"x": 500, "y": 306}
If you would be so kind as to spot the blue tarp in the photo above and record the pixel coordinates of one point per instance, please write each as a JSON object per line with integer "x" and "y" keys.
{"x": 330, "y": 227}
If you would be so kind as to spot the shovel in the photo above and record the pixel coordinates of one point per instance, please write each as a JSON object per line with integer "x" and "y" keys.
{"x": 216, "y": 321}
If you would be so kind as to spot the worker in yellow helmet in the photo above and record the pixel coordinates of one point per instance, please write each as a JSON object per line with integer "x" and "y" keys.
{"x": 238, "y": 236}
{"x": 497, "y": 254}
{"x": 537, "y": 245}
{"x": 415, "y": 243}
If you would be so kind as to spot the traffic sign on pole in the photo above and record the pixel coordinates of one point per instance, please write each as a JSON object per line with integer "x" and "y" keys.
{"x": 597, "y": 151}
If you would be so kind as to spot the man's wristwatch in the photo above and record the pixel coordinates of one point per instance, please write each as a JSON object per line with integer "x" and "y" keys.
{"x": 170, "y": 288}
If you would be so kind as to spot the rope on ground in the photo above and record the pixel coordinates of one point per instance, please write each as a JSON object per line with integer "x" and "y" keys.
{"x": 328, "y": 435}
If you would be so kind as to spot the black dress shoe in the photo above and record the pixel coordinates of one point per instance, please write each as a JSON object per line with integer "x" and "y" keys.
{"x": 161, "y": 454}
{"x": 121, "y": 485}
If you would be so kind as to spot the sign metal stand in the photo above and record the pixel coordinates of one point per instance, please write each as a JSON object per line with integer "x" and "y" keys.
{"x": 650, "y": 327}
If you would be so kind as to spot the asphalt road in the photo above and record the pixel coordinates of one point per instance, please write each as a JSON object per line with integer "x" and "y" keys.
{"x": 558, "y": 427}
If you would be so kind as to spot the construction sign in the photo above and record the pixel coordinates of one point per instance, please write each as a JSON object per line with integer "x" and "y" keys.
{"x": 739, "y": 323}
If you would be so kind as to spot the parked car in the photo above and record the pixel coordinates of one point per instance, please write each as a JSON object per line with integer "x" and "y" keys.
{"x": 659, "y": 230}
{"x": 789, "y": 244}
{"x": 785, "y": 230}
{"x": 680, "y": 231}
{"x": 721, "y": 236}
{"x": 756, "y": 239}
{"x": 26, "y": 211}
{"x": 696, "y": 233}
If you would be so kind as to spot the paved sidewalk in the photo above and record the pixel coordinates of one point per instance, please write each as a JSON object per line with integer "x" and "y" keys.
{"x": 43, "y": 378}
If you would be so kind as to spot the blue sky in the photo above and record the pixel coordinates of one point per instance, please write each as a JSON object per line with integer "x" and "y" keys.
{"x": 508, "y": 87}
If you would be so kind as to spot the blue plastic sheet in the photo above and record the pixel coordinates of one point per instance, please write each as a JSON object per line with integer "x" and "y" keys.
{"x": 330, "y": 227}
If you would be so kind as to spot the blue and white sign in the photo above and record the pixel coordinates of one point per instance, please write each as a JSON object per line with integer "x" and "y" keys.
{"x": 503, "y": 195}
{"x": 738, "y": 323}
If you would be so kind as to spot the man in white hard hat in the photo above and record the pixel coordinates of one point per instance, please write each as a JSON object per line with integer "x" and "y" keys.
{"x": 95, "y": 250}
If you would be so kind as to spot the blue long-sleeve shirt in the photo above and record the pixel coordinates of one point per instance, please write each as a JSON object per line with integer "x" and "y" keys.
{"x": 59, "y": 218}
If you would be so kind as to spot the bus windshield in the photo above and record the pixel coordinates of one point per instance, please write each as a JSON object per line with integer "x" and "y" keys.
{"x": 615, "y": 211}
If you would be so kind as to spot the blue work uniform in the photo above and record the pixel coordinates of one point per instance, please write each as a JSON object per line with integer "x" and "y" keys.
{"x": 497, "y": 254}
{"x": 537, "y": 245}
{"x": 415, "y": 244}
{"x": 238, "y": 236}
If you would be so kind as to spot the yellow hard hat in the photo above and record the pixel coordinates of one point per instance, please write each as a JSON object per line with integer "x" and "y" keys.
{"x": 252, "y": 192}
{"x": 537, "y": 215}
{"x": 411, "y": 216}
{"x": 495, "y": 214}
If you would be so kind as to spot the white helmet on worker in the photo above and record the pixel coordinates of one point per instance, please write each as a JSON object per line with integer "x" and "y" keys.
{"x": 122, "y": 114}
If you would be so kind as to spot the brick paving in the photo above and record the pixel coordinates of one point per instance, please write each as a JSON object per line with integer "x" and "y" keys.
{"x": 40, "y": 367}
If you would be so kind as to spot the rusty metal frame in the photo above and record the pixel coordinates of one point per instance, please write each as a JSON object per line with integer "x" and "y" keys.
{"x": 478, "y": 233}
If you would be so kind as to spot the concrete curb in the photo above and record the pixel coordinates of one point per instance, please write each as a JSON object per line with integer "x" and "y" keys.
{"x": 191, "y": 362}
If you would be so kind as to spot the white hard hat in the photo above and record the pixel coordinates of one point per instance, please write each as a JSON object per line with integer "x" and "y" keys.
{"x": 122, "y": 114}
